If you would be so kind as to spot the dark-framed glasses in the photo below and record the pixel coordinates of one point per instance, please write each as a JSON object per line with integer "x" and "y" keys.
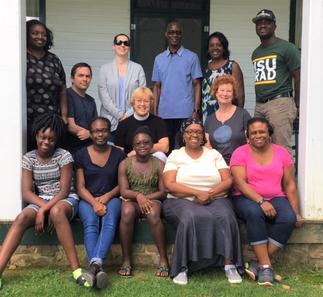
{"x": 191, "y": 132}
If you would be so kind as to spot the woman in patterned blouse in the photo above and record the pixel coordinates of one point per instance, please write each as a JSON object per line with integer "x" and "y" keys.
{"x": 45, "y": 77}
{"x": 219, "y": 64}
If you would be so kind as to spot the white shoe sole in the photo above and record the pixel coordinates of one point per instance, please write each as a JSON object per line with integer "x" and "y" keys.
{"x": 180, "y": 282}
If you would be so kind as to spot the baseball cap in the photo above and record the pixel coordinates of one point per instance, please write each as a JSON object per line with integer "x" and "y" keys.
{"x": 264, "y": 14}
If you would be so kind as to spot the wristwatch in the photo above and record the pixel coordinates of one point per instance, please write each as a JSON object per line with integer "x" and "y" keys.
{"x": 260, "y": 202}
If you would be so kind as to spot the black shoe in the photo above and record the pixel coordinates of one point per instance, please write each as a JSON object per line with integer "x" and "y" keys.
{"x": 101, "y": 278}
{"x": 265, "y": 276}
{"x": 251, "y": 270}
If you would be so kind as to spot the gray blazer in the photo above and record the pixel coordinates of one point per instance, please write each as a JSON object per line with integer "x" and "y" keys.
{"x": 109, "y": 89}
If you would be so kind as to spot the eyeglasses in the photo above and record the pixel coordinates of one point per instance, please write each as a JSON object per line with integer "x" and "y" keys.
{"x": 97, "y": 131}
{"x": 120, "y": 42}
{"x": 144, "y": 143}
{"x": 191, "y": 132}
{"x": 174, "y": 32}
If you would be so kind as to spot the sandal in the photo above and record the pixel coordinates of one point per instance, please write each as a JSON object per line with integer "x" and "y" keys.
{"x": 162, "y": 271}
{"x": 125, "y": 270}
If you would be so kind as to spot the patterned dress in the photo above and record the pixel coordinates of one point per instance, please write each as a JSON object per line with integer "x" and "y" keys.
{"x": 209, "y": 104}
{"x": 45, "y": 79}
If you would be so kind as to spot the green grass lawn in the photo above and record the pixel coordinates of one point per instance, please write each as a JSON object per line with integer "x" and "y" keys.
{"x": 301, "y": 281}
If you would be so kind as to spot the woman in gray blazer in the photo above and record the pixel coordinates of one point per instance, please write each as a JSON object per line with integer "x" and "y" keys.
{"x": 118, "y": 79}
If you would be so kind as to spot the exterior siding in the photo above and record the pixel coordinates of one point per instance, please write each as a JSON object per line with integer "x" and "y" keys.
{"x": 84, "y": 30}
{"x": 84, "y": 33}
{"x": 233, "y": 19}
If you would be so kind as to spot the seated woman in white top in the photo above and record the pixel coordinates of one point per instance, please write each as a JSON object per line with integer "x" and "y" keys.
{"x": 198, "y": 181}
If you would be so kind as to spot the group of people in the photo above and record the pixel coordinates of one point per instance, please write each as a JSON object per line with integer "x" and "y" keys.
{"x": 149, "y": 154}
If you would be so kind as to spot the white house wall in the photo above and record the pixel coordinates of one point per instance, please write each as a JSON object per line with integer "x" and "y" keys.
{"x": 233, "y": 19}
{"x": 12, "y": 111}
{"x": 83, "y": 32}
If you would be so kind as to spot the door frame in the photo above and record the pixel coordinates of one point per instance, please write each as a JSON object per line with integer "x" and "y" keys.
{"x": 172, "y": 14}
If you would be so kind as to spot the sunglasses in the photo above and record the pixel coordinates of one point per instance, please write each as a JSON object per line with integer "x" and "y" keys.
{"x": 120, "y": 42}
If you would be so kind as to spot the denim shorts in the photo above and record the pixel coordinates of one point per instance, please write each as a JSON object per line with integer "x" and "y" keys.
{"x": 71, "y": 200}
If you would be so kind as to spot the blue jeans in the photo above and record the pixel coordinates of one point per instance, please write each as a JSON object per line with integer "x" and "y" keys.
{"x": 261, "y": 229}
{"x": 99, "y": 231}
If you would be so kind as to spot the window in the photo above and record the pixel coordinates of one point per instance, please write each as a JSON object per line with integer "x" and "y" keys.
{"x": 35, "y": 9}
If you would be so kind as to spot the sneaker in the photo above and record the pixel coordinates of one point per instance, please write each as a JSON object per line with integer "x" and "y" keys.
{"x": 181, "y": 278}
{"x": 233, "y": 276}
{"x": 83, "y": 278}
{"x": 265, "y": 276}
{"x": 251, "y": 269}
{"x": 101, "y": 278}
{"x": 89, "y": 278}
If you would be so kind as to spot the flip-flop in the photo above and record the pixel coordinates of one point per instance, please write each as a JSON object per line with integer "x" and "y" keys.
{"x": 162, "y": 271}
{"x": 125, "y": 271}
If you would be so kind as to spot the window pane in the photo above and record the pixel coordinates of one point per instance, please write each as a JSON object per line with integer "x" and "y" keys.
{"x": 32, "y": 7}
{"x": 187, "y": 4}
{"x": 151, "y": 4}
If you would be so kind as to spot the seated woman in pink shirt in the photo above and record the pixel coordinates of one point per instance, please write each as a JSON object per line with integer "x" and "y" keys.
{"x": 265, "y": 194}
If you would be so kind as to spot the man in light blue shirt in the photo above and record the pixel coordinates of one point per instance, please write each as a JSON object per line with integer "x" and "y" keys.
{"x": 177, "y": 89}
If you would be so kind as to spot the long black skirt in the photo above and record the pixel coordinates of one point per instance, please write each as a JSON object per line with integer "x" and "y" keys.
{"x": 205, "y": 234}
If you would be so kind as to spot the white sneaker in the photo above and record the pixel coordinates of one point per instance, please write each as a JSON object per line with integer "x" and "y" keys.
{"x": 181, "y": 278}
{"x": 233, "y": 276}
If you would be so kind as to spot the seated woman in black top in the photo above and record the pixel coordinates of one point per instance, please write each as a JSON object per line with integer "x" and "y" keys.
{"x": 141, "y": 101}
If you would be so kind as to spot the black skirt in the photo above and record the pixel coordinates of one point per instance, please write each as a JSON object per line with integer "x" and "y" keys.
{"x": 205, "y": 235}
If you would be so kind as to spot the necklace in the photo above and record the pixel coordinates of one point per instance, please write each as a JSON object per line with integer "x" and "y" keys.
{"x": 142, "y": 171}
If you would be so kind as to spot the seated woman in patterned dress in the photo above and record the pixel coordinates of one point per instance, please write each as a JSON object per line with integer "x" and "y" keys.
{"x": 142, "y": 191}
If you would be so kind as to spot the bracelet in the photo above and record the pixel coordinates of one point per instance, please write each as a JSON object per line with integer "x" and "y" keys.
{"x": 261, "y": 202}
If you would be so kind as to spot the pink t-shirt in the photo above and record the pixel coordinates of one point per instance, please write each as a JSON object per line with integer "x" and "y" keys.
{"x": 265, "y": 180}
